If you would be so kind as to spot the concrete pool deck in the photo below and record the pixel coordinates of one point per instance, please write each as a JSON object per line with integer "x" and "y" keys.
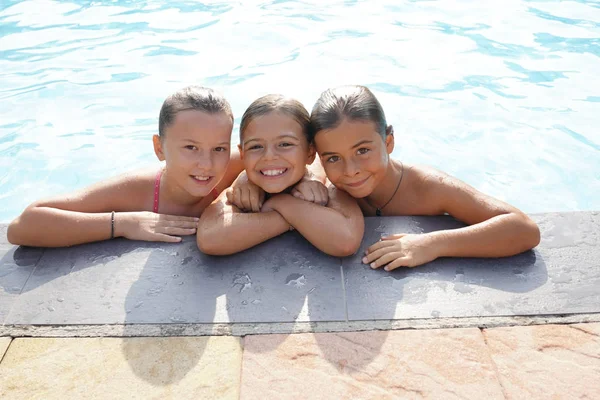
{"x": 129, "y": 319}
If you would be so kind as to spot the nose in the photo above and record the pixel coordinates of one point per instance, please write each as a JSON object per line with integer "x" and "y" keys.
{"x": 351, "y": 168}
{"x": 204, "y": 161}
{"x": 270, "y": 153}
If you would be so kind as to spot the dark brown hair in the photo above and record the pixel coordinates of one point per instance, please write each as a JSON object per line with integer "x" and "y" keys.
{"x": 191, "y": 98}
{"x": 278, "y": 103}
{"x": 356, "y": 103}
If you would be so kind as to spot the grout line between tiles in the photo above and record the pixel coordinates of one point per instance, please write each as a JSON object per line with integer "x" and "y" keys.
{"x": 23, "y": 287}
{"x": 344, "y": 289}
{"x": 496, "y": 371}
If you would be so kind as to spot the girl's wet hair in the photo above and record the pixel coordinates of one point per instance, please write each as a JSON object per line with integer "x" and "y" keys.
{"x": 196, "y": 98}
{"x": 278, "y": 103}
{"x": 355, "y": 103}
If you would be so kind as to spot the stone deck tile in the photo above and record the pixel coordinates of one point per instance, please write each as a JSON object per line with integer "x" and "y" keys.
{"x": 547, "y": 361}
{"x": 369, "y": 365}
{"x": 111, "y": 368}
{"x": 4, "y": 343}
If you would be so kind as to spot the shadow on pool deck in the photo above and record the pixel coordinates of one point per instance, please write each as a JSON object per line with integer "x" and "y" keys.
{"x": 287, "y": 280}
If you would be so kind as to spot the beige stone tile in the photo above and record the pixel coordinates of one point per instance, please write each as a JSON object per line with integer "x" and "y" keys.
{"x": 4, "y": 342}
{"x": 547, "y": 361}
{"x": 442, "y": 364}
{"x": 114, "y": 368}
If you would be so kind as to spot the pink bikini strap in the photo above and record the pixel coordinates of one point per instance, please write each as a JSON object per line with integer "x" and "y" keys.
{"x": 157, "y": 190}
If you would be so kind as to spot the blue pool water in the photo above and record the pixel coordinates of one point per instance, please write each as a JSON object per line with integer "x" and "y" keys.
{"x": 503, "y": 94}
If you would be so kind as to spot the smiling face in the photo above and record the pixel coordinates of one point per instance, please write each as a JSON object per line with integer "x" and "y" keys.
{"x": 354, "y": 156}
{"x": 275, "y": 151}
{"x": 196, "y": 148}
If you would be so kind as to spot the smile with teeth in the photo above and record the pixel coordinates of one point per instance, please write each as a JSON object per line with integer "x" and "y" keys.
{"x": 201, "y": 178}
{"x": 273, "y": 172}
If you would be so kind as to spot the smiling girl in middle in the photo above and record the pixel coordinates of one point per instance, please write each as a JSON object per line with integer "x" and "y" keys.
{"x": 276, "y": 146}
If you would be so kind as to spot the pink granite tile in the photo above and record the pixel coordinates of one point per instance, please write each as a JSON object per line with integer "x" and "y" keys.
{"x": 547, "y": 361}
{"x": 446, "y": 364}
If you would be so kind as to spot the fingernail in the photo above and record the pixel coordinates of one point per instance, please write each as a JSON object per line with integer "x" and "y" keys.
{"x": 372, "y": 265}
{"x": 196, "y": 219}
{"x": 364, "y": 260}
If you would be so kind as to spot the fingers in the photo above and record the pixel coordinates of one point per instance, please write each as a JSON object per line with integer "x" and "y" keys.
{"x": 322, "y": 195}
{"x": 297, "y": 194}
{"x": 254, "y": 201}
{"x": 379, "y": 245}
{"x": 245, "y": 200}
{"x": 168, "y": 217}
{"x": 229, "y": 194}
{"x": 177, "y": 224}
{"x": 171, "y": 230}
{"x": 159, "y": 237}
{"x": 385, "y": 259}
{"x": 395, "y": 236}
{"x": 369, "y": 258}
{"x": 399, "y": 262}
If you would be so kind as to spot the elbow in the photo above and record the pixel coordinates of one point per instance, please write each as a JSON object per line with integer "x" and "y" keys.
{"x": 530, "y": 234}
{"x": 12, "y": 233}
{"x": 16, "y": 234}
{"x": 346, "y": 247}
{"x": 208, "y": 245}
{"x": 533, "y": 233}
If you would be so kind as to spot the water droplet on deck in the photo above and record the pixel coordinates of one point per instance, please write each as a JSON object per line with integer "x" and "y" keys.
{"x": 243, "y": 281}
{"x": 186, "y": 260}
{"x": 60, "y": 299}
{"x": 50, "y": 308}
{"x": 256, "y": 301}
{"x": 296, "y": 280}
{"x": 244, "y": 302}
{"x": 139, "y": 304}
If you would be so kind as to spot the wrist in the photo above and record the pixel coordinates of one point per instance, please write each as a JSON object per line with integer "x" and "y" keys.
{"x": 439, "y": 243}
{"x": 119, "y": 225}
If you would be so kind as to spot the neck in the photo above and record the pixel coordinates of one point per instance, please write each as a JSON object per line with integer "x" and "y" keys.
{"x": 385, "y": 190}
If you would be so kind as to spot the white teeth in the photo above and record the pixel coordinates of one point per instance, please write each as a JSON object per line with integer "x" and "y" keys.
{"x": 273, "y": 172}
{"x": 202, "y": 178}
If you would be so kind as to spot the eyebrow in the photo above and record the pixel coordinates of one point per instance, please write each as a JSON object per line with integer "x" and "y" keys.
{"x": 196, "y": 142}
{"x": 328, "y": 153}
{"x": 278, "y": 137}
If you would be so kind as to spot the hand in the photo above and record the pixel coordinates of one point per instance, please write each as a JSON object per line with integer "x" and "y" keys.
{"x": 245, "y": 195}
{"x": 270, "y": 204}
{"x": 401, "y": 250}
{"x": 311, "y": 190}
{"x": 153, "y": 227}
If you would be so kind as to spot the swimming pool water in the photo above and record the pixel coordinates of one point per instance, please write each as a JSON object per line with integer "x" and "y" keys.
{"x": 503, "y": 94}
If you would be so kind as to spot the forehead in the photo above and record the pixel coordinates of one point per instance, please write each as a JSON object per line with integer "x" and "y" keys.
{"x": 200, "y": 124}
{"x": 271, "y": 125}
{"x": 346, "y": 135}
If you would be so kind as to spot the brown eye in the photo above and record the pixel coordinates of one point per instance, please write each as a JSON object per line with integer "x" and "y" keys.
{"x": 363, "y": 150}
{"x": 333, "y": 159}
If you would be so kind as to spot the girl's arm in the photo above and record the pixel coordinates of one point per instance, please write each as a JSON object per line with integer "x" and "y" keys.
{"x": 224, "y": 229}
{"x": 336, "y": 229}
{"x": 85, "y": 216}
{"x": 496, "y": 229}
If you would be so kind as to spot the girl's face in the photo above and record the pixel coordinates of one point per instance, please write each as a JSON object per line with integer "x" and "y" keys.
{"x": 275, "y": 152}
{"x": 354, "y": 156}
{"x": 196, "y": 148}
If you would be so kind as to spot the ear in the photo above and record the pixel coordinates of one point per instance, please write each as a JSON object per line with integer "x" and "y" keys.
{"x": 158, "y": 148}
{"x": 389, "y": 139}
{"x": 241, "y": 150}
{"x": 312, "y": 152}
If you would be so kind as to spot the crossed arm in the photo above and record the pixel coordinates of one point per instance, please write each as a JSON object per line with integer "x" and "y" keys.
{"x": 335, "y": 229}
